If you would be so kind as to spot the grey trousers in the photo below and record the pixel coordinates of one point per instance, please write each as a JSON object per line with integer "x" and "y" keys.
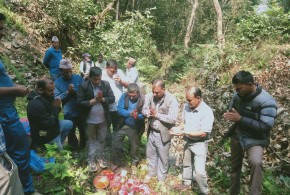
{"x": 9, "y": 179}
{"x": 194, "y": 165}
{"x": 157, "y": 154}
{"x": 255, "y": 155}
{"x": 117, "y": 144}
{"x": 96, "y": 134}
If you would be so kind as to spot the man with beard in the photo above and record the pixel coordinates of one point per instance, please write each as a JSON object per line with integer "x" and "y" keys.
{"x": 42, "y": 113}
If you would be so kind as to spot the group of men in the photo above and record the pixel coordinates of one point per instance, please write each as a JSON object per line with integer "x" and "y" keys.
{"x": 98, "y": 101}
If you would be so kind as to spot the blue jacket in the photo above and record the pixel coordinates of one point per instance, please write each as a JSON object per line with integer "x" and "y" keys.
{"x": 51, "y": 60}
{"x": 125, "y": 113}
{"x": 69, "y": 101}
{"x": 255, "y": 130}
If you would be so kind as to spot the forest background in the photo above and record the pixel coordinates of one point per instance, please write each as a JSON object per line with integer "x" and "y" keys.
{"x": 185, "y": 42}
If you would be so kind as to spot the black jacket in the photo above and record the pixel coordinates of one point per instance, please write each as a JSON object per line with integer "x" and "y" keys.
{"x": 258, "y": 113}
{"x": 42, "y": 117}
{"x": 86, "y": 93}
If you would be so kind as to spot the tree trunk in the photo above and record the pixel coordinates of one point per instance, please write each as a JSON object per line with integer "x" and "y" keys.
{"x": 220, "y": 35}
{"x": 117, "y": 10}
{"x": 190, "y": 23}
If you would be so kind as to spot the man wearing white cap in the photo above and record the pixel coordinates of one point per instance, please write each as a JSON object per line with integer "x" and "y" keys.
{"x": 66, "y": 88}
{"x": 131, "y": 71}
{"x": 52, "y": 57}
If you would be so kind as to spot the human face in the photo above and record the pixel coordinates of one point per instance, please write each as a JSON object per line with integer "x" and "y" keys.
{"x": 243, "y": 89}
{"x": 55, "y": 44}
{"x": 96, "y": 80}
{"x": 129, "y": 64}
{"x": 87, "y": 58}
{"x": 2, "y": 28}
{"x": 66, "y": 73}
{"x": 193, "y": 101}
{"x": 158, "y": 92}
{"x": 49, "y": 90}
{"x": 111, "y": 71}
{"x": 133, "y": 96}
{"x": 100, "y": 58}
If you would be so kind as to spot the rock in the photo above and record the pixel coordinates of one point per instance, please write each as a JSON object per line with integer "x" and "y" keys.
{"x": 15, "y": 44}
{"x": 7, "y": 45}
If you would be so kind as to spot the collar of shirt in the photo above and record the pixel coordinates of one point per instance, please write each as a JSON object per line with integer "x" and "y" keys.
{"x": 197, "y": 109}
{"x": 95, "y": 86}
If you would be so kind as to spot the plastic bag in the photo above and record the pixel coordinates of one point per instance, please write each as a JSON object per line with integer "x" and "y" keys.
{"x": 37, "y": 163}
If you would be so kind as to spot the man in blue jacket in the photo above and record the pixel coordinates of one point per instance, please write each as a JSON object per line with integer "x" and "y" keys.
{"x": 52, "y": 57}
{"x": 131, "y": 124}
{"x": 253, "y": 111}
{"x": 66, "y": 88}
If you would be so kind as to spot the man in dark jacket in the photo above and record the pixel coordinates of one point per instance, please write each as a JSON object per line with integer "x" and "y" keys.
{"x": 42, "y": 113}
{"x": 94, "y": 96}
{"x": 131, "y": 124}
{"x": 253, "y": 110}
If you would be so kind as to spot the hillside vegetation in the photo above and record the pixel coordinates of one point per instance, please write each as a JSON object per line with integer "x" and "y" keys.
{"x": 153, "y": 33}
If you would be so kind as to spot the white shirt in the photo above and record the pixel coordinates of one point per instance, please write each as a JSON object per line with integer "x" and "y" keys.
{"x": 199, "y": 119}
{"x": 101, "y": 65}
{"x": 117, "y": 87}
{"x": 87, "y": 68}
{"x": 132, "y": 75}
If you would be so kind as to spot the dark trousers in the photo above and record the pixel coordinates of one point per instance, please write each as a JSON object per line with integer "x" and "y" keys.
{"x": 255, "y": 155}
{"x": 17, "y": 148}
{"x": 72, "y": 138}
{"x": 113, "y": 119}
{"x": 117, "y": 144}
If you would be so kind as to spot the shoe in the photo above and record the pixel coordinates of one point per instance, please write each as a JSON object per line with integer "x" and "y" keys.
{"x": 103, "y": 163}
{"x": 147, "y": 179}
{"x": 182, "y": 187}
{"x": 92, "y": 166}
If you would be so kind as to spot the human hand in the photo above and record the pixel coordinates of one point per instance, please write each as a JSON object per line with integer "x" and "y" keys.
{"x": 153, "y": 112}
{"x": 99, "y": 96}
{"x": 117, "y": 78}
{"x": 134, "y": 114}
{"x": 232, "y": 115}
{"x": 21, "y": 90}
{"x": 71, "y": 89}
{"x": 176, "y": 131}
{"x": 57, "y": 102}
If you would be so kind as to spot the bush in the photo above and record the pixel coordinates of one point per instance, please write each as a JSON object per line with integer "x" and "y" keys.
{"x": 267, "y": 25}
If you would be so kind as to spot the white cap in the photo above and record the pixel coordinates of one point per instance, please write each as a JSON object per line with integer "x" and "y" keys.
{"x": 54, "y": 39}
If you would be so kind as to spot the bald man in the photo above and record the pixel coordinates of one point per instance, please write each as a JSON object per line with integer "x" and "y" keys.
{"x": 196, "y": 126}
{"x": 161, "y": 108}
